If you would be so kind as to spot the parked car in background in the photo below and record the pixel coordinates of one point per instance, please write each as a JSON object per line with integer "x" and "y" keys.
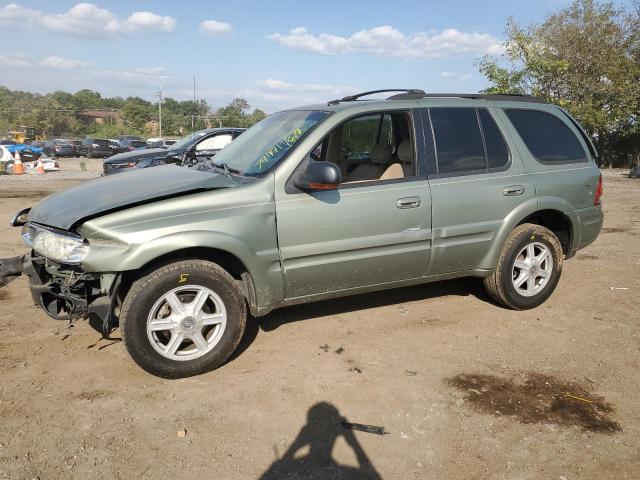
{"x": 95, "y": 147}
{"x": 37, "y": 143}
{"x": 76, "y": 143}
{"x": 128, "y": 137}
{"x": 48, "y": 164}
{"x": 59, "y": 148}
{"x": 127, "y": 145}
{"x": 191, "y": 149}
{"x": 160, "y": 142}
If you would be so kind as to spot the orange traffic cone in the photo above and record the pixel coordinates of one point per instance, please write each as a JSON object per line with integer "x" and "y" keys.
{"x": 18, "y": 168}
{"x": 39, "y": 168}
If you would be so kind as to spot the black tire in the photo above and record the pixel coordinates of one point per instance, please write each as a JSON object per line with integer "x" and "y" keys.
{"x": 148, "y": 289}
{"x": 500, "y": 286}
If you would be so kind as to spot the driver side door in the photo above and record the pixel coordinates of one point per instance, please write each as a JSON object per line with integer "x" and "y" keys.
{"x": 375, "y": 228}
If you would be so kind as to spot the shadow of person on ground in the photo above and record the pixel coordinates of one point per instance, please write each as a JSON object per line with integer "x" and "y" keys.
{"x": 323, "y": 428}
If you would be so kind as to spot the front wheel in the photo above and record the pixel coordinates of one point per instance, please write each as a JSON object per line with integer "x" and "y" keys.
{"x": 183, "y": 319}
{"x": 529, "y": 268}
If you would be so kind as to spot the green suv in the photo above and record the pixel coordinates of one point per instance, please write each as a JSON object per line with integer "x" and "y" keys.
{"x": 318, "y": 202}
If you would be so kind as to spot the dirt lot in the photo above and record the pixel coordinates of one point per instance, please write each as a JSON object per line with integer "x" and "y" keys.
{"x": 463, "y": 388}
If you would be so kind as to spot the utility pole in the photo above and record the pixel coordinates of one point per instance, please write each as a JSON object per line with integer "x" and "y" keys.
{"x": 193, "y": 117}
{"x": 159, "y": 95}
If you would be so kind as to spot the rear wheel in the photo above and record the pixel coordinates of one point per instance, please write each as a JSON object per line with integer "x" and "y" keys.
{"x": 183, "y": 319}
{"x": 529, "y": 268}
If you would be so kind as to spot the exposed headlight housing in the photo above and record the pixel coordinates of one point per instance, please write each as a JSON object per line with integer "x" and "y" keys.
{"x": 60, "y": 248}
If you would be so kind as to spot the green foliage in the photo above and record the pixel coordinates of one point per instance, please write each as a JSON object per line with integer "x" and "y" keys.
{"x": 136, "y": 113}
{"x": 60, "y": 114}
{"x": 236, "y": 114}
{"x": 585, "y": 58}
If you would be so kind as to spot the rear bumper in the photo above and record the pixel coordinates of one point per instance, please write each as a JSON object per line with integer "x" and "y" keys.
{"x": 591, "y": 220}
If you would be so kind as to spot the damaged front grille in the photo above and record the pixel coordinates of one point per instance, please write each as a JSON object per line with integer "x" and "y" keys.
{"x": 64, "y": 292}
{"x": 67, "y": 292}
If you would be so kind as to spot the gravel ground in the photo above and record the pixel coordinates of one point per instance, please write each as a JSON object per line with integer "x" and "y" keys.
{"x": 462, "y": 387}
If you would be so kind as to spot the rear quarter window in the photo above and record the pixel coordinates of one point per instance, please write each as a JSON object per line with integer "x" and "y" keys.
{"x": 547, "y": 137}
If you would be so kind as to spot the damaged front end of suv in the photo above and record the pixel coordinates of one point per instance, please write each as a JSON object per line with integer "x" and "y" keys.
{"x": 57, "y": 281}
{"x": 75, "y": 264}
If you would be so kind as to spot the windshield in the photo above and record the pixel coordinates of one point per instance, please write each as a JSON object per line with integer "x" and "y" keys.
{"x": 261, "y": 147}
{"x": 184, "y": 142}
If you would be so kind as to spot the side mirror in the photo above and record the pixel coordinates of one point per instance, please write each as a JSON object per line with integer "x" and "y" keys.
{"x": 20, "y": 218}
{"x": 318, "y": 176}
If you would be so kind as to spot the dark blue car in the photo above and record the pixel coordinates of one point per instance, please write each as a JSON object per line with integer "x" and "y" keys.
{"x": 191, "y": 149}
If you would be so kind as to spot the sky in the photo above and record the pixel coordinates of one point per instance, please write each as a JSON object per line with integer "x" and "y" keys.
{"x": 274, "y": 54}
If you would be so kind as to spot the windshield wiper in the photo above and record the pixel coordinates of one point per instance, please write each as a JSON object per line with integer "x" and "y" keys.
{"x": 226, "y": 168}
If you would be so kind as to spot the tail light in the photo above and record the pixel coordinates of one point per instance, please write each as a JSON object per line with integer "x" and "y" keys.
{"x": 599, "y": 192}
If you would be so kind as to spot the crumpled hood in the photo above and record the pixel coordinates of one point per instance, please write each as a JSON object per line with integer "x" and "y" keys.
{"x": 135, "y": 155}
{"x": 109, "y": 193}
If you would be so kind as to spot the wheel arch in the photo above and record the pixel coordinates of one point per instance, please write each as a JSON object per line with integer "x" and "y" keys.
{"x": 231, "y": 263}
{"x": 560, "y": 217}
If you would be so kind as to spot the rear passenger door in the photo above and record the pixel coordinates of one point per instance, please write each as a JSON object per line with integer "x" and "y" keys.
{"x": 476, "y": 182}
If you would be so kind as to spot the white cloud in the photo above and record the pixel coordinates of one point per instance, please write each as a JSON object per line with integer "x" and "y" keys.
{"x": 454, "y": 75}
{"x": 386, "y": 41}
{"x": 214, "y": 27}
{"x": 54, "y": 61}
{"x": 151, "y": 75}
{"x": 21, "y": 60}
{"x": 85, "y": 20}
{"x": 149, "y": 22}
{"x": 279, "y": 85}
{"x": 15, "y": 60}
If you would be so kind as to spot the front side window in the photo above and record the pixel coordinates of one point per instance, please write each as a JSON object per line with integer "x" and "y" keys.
{"x": 370, "y": 147}
{"x": 547, "y": 137}
{"x": 217, "y": 142}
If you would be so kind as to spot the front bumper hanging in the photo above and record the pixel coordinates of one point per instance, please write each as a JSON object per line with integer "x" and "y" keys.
{"x": 65, "y": 292}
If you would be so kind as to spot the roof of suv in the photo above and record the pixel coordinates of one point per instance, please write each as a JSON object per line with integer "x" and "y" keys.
{"x": 414, "y": 94}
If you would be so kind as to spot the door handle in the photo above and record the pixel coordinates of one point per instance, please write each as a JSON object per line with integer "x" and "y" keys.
{"x": 409, "y": 202}
{"x": 513, "y": 190}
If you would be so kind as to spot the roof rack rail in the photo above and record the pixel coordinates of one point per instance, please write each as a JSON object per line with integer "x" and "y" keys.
{"x": 352, "y": 98}
{"x": 512, "y": 97}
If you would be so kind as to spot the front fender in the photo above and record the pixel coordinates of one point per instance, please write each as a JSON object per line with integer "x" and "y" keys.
{"x": 114, "y": 255}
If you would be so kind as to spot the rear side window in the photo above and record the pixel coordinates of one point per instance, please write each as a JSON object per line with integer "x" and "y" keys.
{"x": 547, "y": 137}
{"x": 458, "y": 140}
{"x": 497, "y": 152}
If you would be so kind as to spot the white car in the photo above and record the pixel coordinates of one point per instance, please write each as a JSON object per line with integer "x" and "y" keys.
{"x": 48, "y": 164}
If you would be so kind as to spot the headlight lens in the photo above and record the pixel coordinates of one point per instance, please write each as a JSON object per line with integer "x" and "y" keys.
{"x": 60, "y": 248}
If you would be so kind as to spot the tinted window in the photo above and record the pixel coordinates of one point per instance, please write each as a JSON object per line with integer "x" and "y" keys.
{"x": 497, "y": 152}
{"x": 546, "y": 136}
{"x": 458, "y": 141}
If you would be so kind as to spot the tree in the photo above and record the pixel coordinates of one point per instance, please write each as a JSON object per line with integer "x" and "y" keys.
{"x": 136, "y": 113}
{"x": 585, "y": 58}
